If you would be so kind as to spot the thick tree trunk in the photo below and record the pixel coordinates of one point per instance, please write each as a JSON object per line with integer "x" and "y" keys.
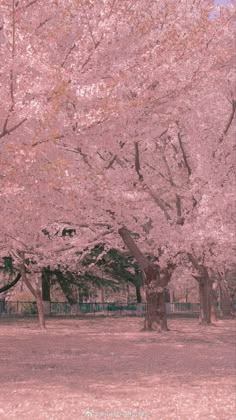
{"x": 153, "y": 284}
{"x": 155, "y": 301}
{"x": 207, "y": 307}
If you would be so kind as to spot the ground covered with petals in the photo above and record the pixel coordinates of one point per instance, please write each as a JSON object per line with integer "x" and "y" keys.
{"x": 106, "y": 368}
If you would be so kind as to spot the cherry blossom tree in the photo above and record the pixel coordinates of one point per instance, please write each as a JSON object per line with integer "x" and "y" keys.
{"x": 118, "y": 117}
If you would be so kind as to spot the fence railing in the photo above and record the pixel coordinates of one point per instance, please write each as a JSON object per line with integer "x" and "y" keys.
{"x": 9, "y": 308}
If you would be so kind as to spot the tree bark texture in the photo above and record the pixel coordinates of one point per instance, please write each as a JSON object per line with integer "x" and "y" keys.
{"x": 138, "y": 294}
{"x": 35, "y": 292}
{"x": 46, "y": 285}
{"x": 226, "y": 300}
{"x": 154, "y": 284}
{"x": 206, "y": 298}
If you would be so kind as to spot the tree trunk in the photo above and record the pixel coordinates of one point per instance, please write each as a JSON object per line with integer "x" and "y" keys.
{"x": 205, "y": 302}
{"x": 40, "y": 310}
{"x": 46, "y": 285}
{"x": 153, "y": 284}
{"x": 35, "y": 292}
{"x": 127, "y": 294}
{"x": 138, "y": 294}
{"x": 226, "y": 301}
{"x": 163, "y": 315}
{"x": 102, "y": 295}
{"x": 46, "y": 289}
{"x": 207, "y": 307}
{"x": 186, "y": 295}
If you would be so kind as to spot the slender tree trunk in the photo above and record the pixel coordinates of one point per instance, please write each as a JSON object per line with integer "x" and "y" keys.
{"x": 139, "y": 283}
{"x": 186, "y": 295}
{"x": 138, "y": 294}
{"x": 226, "y": 300}
{"x": 102, "y": 295}
{"x": 163, "y": 315}
{"x": 46, "y": 290}
{"x": 35, "y": 292}
{"x": 46, "y": 285}
{"x": 40, "y": 310}
{"x": 127, "y": 294}
{"x": 205, "y": 302}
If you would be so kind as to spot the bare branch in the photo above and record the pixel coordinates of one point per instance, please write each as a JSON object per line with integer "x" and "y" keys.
{"x": 229, "y": 123}
{"x": 137, "y": 161}
{"x": 43, "y": 22}
{"x": 170, "y": 179}
{"x": 184, "y": 154}
{"x": 30, "y": 4}
{"x": 6, "y": 131}
{"x": 159, "y": 202}
{"x": 111, "y": 9}
{"x": 180, "y": 218}
{"x": 67, "y": 55}
{"x": 87, "y": 60}
{"x": 64, "y": 249}
{"x": 78, "y": 151}
{"x": 13, "y": 55}
{"x": 132, "y": 247}
{"x": 111, "y": 162}
{"x": 89, "y": 26}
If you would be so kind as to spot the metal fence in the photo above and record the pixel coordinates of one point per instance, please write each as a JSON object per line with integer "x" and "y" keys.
{"x": 9, "y": 308}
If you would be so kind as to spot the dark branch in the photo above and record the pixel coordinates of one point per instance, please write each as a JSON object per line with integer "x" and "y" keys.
{"x": 170, "y": 178}
{"x": 229, "y": 123}
{"x": 137, "y": 161}
{"x": 6, "y": 131}
{"x": 180, "y": 218}
{"x": 111, "y": 9}
{"x": 67, "y": 55}
{"x": 111, "y": 162}
{"x": 10, "y": 285}
{"x": 30, "y": 4}
{"x": 134, "y": 250}
{"x": 184, "y": 155}
{"x": 43, "y": 23}
{"x": 160, "y": 204}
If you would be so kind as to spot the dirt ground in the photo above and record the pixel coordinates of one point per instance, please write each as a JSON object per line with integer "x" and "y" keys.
{"x": 107, "y": 369}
